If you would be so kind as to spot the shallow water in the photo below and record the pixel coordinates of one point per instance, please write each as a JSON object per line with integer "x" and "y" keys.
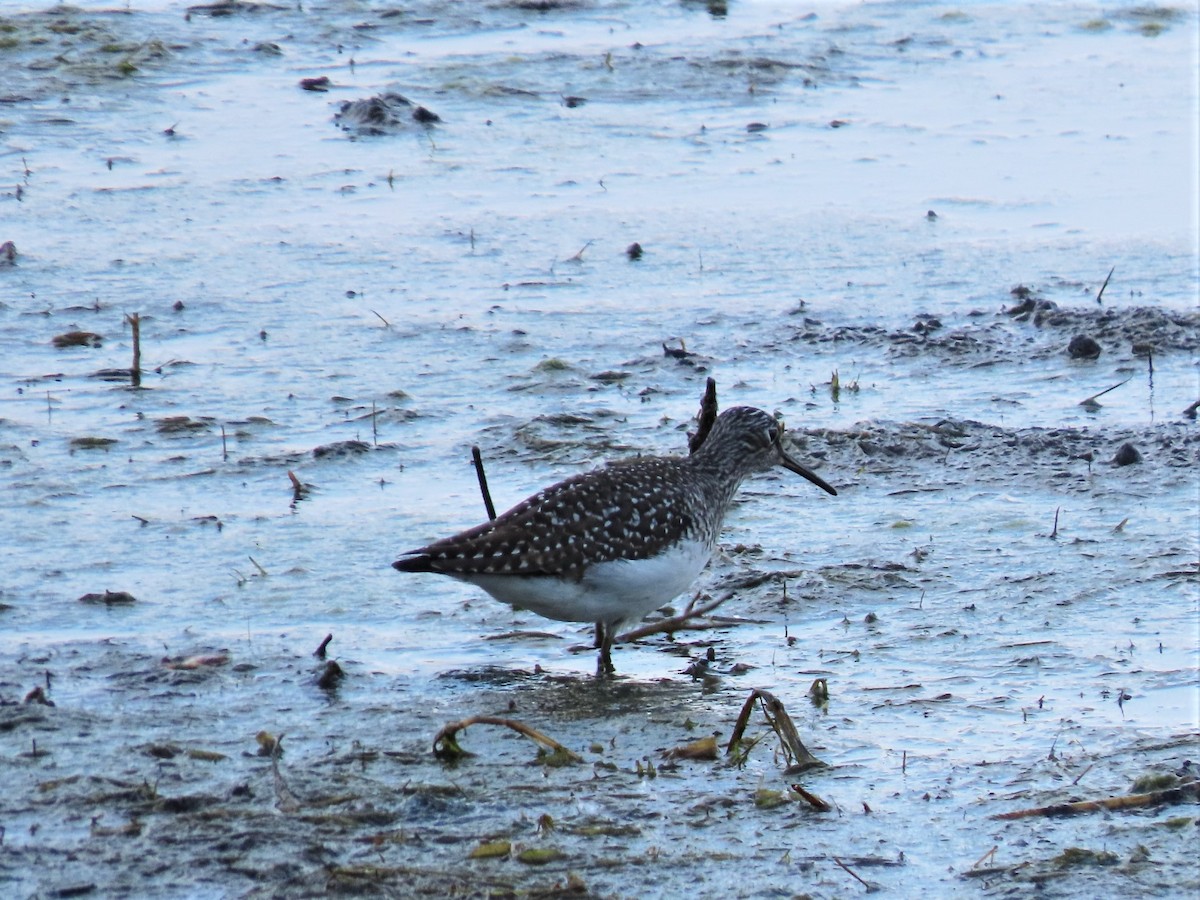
{"x": 1005, "y": 618}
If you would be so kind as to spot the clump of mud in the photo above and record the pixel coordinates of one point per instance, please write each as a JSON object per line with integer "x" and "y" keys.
{"x": 1033, "y": 329}
{"x": 63, "y": 47}
{"x": 386, "y": 113}
{"x": 986, "y": 453}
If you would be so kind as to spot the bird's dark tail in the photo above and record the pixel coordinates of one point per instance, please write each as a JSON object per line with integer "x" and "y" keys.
{"x": 420, "y": 562}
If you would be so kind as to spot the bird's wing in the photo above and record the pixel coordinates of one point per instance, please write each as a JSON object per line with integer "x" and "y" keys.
{"x": 629, "y": 510}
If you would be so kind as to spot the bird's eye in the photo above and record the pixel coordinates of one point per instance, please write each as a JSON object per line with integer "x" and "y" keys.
{"x": 771, "y": 434}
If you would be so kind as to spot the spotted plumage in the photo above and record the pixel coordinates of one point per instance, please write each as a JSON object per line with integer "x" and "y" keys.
{"x": 613, "y": 544}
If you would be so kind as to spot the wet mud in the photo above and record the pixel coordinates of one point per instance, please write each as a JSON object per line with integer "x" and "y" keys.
{"x": 890, "y": 224}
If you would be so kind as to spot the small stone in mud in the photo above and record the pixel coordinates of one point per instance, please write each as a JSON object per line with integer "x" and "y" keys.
{"x": 1127, "y": 456}
{"x": 38, "y": 695}
{"x": 8, "y": 254}
{"x": 341, "y": 448}
{"x": 1083, "y": 347}
{"x": 110, "y": 598}
{"x": 931, "y": 215}
{"x": 330, "y": 676}
{"x": 92, "y": 443}
{"x": 634, "y": 250}
{"x": 1029, "y": 304}
{"x": 573, "y": 102}
{"x": 926, "y": 324}
{"x": 755, "y": 127}
{"x": 1143, "y": 348}
{"x": 321, "y": 83}
{"x": 425, "y": 116}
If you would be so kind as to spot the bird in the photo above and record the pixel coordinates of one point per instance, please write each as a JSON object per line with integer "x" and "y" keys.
{"x": 610, "y": 545}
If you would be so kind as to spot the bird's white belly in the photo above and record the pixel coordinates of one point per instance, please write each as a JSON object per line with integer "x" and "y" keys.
{"x": 621, "y": 590}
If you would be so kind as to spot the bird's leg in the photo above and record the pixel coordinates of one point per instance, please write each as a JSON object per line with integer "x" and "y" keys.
{"x": 604, "y": 639}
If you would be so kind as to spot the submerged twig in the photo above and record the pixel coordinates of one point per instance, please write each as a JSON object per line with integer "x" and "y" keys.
{"x": 685, "y": 621}
{"x": 477, "y": 461}
{"x": 1179, "y": 794}
{"x": 798, "y": 755}
{"x": 870, "y": 887}
{"x": 1091, "y": 403}
{"x": 578, "y": 257}
{"x": 446, "y": 747}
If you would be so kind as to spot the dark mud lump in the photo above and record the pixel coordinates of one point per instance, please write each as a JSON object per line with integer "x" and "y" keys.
{"x": 1127, "y": 456}
{"x": 1083, "y": 347}
{"x": 385, "y": 113}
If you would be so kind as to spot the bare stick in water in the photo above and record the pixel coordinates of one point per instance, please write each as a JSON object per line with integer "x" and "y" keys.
{"x": 135, "y": 325}
{"x": 1100, "y": 293}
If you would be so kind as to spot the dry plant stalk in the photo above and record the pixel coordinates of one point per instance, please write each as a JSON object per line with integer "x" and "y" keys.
{"x": 685, "y": 621}
{"x": 798, "y": 755}
{"x": 446, "y": 747}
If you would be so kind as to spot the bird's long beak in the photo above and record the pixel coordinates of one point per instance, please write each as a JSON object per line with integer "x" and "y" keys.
{"x": 792, "y": 466}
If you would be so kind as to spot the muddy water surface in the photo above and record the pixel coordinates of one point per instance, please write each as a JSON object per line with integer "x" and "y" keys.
{"x": 922, "y": 199}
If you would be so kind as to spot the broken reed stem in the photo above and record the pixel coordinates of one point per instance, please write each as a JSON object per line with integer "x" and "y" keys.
{"x": 708, "y": 415}
{"x": 135, "y": 326}
{"x": 477, "y": 461}
{"x": 224, "y": 446}
{"x": 374, "y": 424}
{"x": 781, "y": 722}
{"x": 1054, "y": 533}
{"x": 299, "y": 491}
{"x": 319, "y": 653}
{"x": 990, "y": 854}
{"x": 1169, "y": 796}
{"x": 446, "y": 747}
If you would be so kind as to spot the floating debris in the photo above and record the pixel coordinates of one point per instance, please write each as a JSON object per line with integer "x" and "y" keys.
{"x": 110, "y": 598}
{"x": 77, "y": 339}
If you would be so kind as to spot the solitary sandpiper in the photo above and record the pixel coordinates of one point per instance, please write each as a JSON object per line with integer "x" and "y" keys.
{"x": 610, "y": 545}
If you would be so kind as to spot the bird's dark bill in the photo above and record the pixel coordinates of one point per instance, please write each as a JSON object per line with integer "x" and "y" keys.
{"x": 792, "y": 466}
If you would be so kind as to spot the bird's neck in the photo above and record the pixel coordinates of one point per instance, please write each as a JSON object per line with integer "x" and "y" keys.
{"x": 719, "y": 481}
